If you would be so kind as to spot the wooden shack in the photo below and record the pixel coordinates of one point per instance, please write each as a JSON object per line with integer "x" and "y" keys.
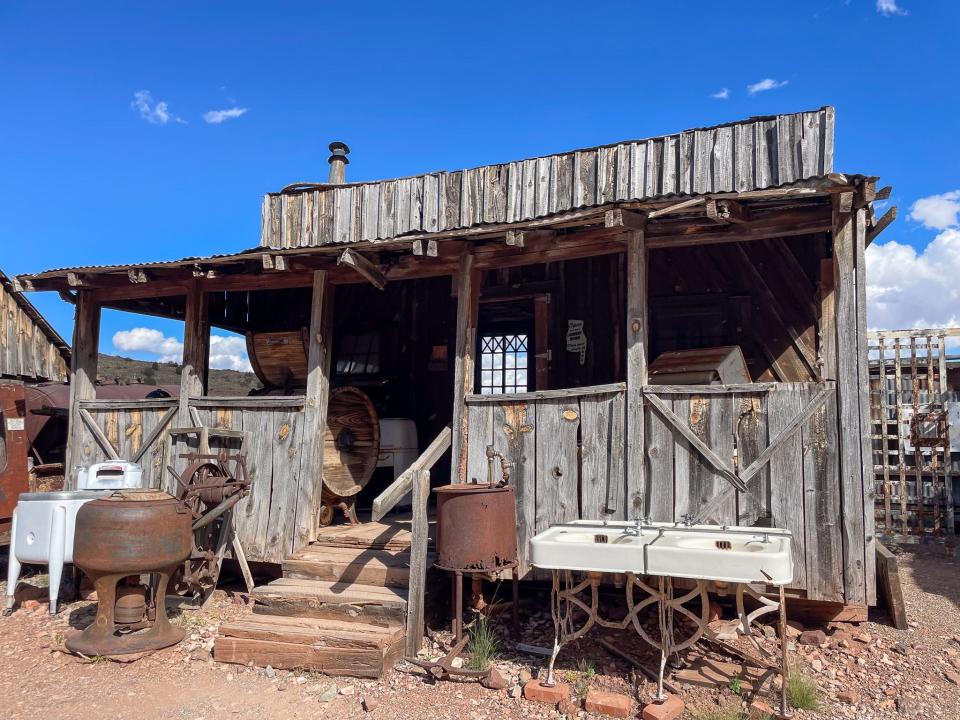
{"x": 521, "y": 303}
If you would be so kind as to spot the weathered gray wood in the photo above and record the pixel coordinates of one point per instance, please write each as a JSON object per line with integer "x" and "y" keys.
{"x": 29, "y": 347}
{"x": 848, "y": 384}
{"x": 709, "y": 389}
{"x": 196, "y": 349}
{"x": 98, "y": 435}
{"x": 821, "y": 503}
{"x": 636, "y": 335}
{"x": 743, "y": 156}
{"x": 514, "y": 424}
{"x": 386, "y": 500}
{"x": 480, "y": 422}
{"x": 315, "y": 411}
{"x": 660, "y": 444}
{"x": 83, "y": 376}
{"x": 868, "y": 494}
{"x": 161, "y": 403}
{"x": 154, "y": 435}
{"x": 248, "y": 401}
{"x": 468, "y": 294}
{"x": 418, "y": 562}
{"x": 750, "y": 432}
{"x": 557, "y": 468}
{"x": 786, "y": 475}
{"x": 888, "y": 581}
{"x": 602, "y": 479}
{"x": 691, "y": 435}
{"x": 578, "y": 392}
{"x": 364, "y": 267}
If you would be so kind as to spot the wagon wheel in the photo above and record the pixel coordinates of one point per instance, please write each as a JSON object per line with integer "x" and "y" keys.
{"x": 351, "y": 442}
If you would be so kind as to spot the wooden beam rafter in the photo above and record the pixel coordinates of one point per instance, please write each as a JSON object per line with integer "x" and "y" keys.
{"x": 364, "y": 267}
{"x": 628, "y": 219}
{"x": 726, "y": 212}
{"x": 880, "y": 225}
{"x": 425, "y": 248}
{"x": 677, "y": 207}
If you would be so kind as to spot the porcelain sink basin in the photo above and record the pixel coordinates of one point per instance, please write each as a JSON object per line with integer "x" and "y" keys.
{"x": 736, "y": 555}
{"x": 702, "y": 552}
{"x": 588, "y": 546}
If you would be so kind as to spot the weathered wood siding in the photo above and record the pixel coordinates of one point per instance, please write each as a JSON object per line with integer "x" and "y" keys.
{"x": 567, "y": 448}
{"x": 29, "y": 348}
{"x": 267, "y": 519}
{"x": 752, "y": 154}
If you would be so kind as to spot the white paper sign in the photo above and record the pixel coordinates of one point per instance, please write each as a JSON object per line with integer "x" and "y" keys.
{"x": 577, "y": 339}
{"x": 14, "y": 424}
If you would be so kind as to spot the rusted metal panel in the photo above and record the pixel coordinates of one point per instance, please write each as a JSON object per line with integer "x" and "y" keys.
{"x": 476, "y": 527}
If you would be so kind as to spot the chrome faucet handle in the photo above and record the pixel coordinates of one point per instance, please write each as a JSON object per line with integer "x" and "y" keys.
{"x": 688, "y": 520}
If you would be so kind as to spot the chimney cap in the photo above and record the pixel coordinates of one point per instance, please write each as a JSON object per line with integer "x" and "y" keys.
{"x": 339, "y": 151}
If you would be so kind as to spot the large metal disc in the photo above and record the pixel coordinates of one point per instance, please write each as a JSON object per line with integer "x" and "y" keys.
{"x": 351, "y": 443}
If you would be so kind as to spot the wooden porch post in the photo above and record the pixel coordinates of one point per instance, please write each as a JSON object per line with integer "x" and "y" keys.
{"x": 852, "y": 480}
{"x": 636, "y": 369}
{"x": 468, "y": 296}
{"x": 315, "y": 411}
{"x": 196, "y": 350}
{"x": 83, "y": 377}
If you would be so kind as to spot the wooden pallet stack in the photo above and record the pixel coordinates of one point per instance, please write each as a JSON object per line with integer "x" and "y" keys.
{"x": 339, "y": 609}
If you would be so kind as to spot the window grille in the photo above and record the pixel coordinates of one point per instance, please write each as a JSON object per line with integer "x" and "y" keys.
{"x": 503, "y": 364}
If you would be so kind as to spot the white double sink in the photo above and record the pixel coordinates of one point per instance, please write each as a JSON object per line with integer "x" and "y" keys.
{"x": 700, "y": 552}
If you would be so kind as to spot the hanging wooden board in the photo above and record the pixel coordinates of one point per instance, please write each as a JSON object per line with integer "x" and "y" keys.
{"x": 351, "y": 443}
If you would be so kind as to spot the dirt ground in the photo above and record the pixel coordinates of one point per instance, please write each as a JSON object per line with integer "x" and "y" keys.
{"x": 868, "y": 672}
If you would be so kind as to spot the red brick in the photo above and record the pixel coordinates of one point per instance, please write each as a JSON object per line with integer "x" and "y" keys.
{"x": 608, "y": 703}
{"x": 669, "y": 709}
{"x": 533, "y": 690}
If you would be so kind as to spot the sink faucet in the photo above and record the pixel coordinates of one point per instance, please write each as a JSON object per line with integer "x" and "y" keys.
{"x": 688, "y": 520}
{"x": 492, "y": 455}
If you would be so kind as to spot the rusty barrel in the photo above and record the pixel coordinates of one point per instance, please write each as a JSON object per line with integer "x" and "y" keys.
{"x": 132, "y": 531}
{"x": 476, "y": 527}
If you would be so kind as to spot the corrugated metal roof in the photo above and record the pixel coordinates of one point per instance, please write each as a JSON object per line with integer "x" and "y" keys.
{"x": 747, "y": 155}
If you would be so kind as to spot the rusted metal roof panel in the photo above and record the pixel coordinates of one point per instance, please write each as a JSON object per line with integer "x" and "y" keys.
{"x": 748, "y": 155}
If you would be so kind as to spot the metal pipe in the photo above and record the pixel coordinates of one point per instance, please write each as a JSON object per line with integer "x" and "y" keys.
{"x": 338, "y": 162}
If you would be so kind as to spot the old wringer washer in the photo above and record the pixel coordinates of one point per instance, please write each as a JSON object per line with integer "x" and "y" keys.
{"x": 133, "y": 533}
{"x": 120, "y": 537}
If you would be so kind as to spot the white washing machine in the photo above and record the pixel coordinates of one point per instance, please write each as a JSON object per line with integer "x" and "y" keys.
{"x": 398, "y": 448}
{"x": 43, "y": 523}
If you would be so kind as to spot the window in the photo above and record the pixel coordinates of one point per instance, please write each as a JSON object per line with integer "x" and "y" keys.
{"x": 503, "y": 364}
{"x": 359, "y": 354}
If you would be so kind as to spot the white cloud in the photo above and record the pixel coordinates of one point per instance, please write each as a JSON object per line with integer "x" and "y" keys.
{"x": 215, "y": 117}
{"x": 937, "y": 212}
{"x": 890, "y": 7}
{"x": 721, "y": 94}
{"x": 229, "y": 353}
{"x": 155, "y": 113}
{"x": 226, "y": 352}
{"x": 910, "y": 289}
{"x": 149, "y": 340}
{"x": 764, "y": 85}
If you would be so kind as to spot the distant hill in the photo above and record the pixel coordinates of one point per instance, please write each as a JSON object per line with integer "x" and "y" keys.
{"x": 113, "y": 368}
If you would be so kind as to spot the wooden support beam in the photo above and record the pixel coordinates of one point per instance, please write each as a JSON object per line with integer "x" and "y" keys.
{"x": 468, "y": 305}
{"x": 315, "y": 411}
{"x": 196, "y": 350}
{"x": 386, "y": 500}
{"x": 636, "y": 337}
{"x": 848, "y": 388}
{"x": 522, "y": 238}
{"x": 98, "y": 434}
{"x": 726, "y": 212}
{"x": 677, "y": 207}
{"x": 888, "y": 217}
{"x": 75, "y": 280}
{"x": 883, "y": 193}
{"x": 83, "y": 378}
{"x": 274, "y": 262}
{"x": 630, "y": 219}
{"x": 866, "y": 192}
{"x": 425, "y": 248}
{"x": 416, "y": 596}
{"x": 363, "y": 266}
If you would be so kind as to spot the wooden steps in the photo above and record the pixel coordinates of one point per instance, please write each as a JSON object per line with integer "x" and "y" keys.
{"x": 340, "y": 607}
{"x": 365, "y": 566}
{"x": 294, "y": 597}
{"x": 334, "y": 647}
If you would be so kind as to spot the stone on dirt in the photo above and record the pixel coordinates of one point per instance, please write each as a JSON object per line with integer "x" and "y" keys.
{"x": 849, "y": 696}
{"x": 760, "y": 710}
{"x": 494, "y": 681}
{"x": 370, "y": 704}
{"x": 568, "y": 707}
{"x": 812, "y": 637}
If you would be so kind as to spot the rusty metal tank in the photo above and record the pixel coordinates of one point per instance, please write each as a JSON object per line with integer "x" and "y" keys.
{"x": 132, "y": 531}
{"x": 476, "y": 527}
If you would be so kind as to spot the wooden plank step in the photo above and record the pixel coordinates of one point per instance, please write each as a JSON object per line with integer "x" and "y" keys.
{"x": 382, "y": 535}
{"x": 366, "y": 566}
{"x": 329, "y": 646}
{"x": 351, "y": 602}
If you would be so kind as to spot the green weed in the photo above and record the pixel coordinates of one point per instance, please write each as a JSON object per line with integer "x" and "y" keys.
{"x": 482, "y": 646}
{"x": 802, "y": 692}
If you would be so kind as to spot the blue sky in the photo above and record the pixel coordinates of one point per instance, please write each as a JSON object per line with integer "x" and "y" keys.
{"x": 93, "y": 172}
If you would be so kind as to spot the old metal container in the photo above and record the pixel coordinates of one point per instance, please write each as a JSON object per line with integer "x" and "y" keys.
{"x": 132, "y": 531}
{"x": 476, "y": 527}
